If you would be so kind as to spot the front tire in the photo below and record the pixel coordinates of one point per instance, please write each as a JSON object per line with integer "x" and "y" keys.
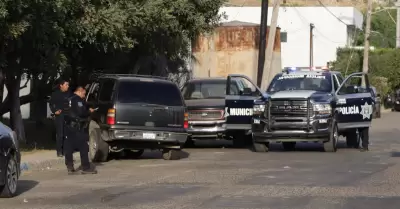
{"x": 331, "y": 145}
{"x": 241, "y": 140}
{"x": 98, "y": 148}
{"x": 9, "y": 189}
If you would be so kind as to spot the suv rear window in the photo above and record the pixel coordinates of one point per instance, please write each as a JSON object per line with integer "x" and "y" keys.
{"x": 149, "y": 92}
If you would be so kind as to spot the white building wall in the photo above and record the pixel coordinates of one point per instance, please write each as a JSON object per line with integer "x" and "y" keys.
{"x": 330, "y": 30}
{"x": 25, "y": 109}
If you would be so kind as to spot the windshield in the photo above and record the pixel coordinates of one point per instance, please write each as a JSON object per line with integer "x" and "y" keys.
{"x": 313, "y": 82}
{"x": 205, "y": 90}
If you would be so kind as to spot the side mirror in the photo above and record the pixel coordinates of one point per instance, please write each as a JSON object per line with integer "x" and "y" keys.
{"x": 378, "y": 95}
{"x": 247, "y": 91}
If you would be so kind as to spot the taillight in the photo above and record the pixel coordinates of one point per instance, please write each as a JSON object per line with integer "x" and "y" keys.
{"x": 111, "y": 116}
{"x": 186, "y": 120}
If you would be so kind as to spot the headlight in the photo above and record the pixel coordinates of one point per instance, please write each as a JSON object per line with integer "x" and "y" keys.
{"x": 397, "y": 102}
{"x": 257, "y": 109}
{"x": 322, "y": 108}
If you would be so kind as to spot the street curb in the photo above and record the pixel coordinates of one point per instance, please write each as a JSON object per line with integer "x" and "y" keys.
{"x": 46, "y": 164}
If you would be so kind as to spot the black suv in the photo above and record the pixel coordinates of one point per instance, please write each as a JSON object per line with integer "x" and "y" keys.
{"x": 135, "y": 113}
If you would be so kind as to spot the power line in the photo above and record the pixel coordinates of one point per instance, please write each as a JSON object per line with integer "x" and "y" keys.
{"x": 331, "y": 12}
{"x": 391, "y": 17}
{"x": 237, "y": 14}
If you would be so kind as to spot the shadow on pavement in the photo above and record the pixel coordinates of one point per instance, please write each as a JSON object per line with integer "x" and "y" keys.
{"x": 147, "y": 155}
{"x": 25, "y": 186}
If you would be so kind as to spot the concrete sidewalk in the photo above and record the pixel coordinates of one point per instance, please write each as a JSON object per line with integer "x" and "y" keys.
{"x": 43, "y": 160}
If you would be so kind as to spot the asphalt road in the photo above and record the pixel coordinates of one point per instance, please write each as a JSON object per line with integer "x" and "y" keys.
{"x": 216, "y": 177}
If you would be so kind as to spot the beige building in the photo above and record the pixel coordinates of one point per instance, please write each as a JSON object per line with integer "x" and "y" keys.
{"x": 232, "y": 49}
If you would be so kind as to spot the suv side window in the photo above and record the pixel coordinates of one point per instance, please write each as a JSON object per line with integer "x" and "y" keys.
{"x": 106, "y": 91}
{"x": 93, "y": 95}
{"x": 235, "y": 87}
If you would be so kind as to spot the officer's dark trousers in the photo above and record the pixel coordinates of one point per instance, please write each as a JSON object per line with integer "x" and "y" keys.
{"x": 76, "y": 139}
{"x": 59, "y": 123}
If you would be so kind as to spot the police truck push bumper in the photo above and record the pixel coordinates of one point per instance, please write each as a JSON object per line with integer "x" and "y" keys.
{"x": 314, "y": 130}
{"x": 292, "y": 121}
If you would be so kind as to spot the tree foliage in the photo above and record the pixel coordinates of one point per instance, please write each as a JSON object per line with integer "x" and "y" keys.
{"x": 383, "y": 29}
{"x": 383, "y": 65}
{"x": 44, "y": 39}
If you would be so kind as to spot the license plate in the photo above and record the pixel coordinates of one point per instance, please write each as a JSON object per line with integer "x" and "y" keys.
{"x": 149, "y": 136}
{"x": 256, "y": 121}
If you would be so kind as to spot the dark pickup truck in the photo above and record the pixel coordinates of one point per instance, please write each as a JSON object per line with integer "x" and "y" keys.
{"x": 206, "y": 101}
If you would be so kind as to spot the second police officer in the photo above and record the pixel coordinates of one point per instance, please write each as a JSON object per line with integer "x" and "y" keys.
{"x": 76, "y": 138}
{"x": 58, "y": 103}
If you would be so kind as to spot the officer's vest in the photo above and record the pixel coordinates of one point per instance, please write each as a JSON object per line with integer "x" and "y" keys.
{"x": 68, "y": 112}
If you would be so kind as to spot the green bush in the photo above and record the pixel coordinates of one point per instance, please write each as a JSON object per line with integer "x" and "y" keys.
{"x": 384, "y": 66}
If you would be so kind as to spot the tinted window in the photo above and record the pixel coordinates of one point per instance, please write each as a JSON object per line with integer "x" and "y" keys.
{"x": 94, "y": 94}
{"x": 149, "y": 92}
{"x": 313, "y": 82}
{"x": 208, "y": 90}
{"x": 106, "y": 90}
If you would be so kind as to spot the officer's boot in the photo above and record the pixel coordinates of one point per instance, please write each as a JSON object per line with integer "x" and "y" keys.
{"x": 89, "y": 170}
{"x": 364, "y": 149}
{"x": 71, "y": 169}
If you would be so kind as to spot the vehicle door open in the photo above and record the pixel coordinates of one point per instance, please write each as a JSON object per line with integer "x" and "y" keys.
{"x": 353, "y": 102}
{"x": 240, "y": 95}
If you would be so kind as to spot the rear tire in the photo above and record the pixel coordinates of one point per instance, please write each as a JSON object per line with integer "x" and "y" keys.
{"x": 289, "y": 146}
{"x": 331, "y": 145}
{"x": 170, "y": 154}
{"x": 9, "y": 189}
{"x": 98, "y": 148}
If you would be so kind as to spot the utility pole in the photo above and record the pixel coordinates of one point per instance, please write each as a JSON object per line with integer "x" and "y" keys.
{"x": 366, "y": 40}
{"x": 268, "y": 73}
{"x": 311, "y": 45}
{"x": 398, "y": 24}
{"x": 262, "y": 40}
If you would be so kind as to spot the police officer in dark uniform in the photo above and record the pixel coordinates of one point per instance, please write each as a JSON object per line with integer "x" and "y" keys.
{"x": 58, "y": 103}
{"x": 76, "y": 138}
